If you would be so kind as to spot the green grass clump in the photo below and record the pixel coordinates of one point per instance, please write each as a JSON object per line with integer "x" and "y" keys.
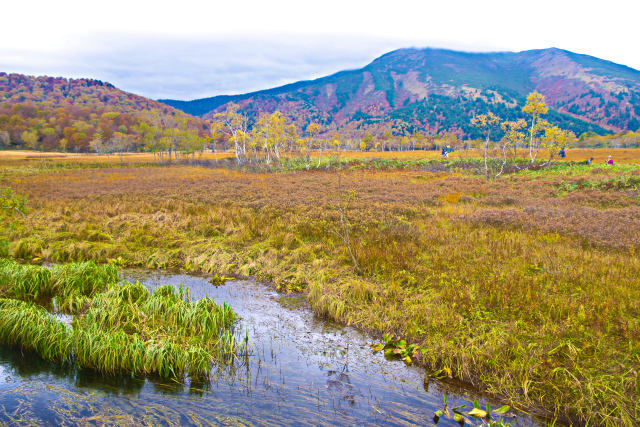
{"x": 33, "y": 281}
{"x": 119, "y": 352}
{"x": 84, "y": 278}
{"x": 26, "y": 282}
{"x": 166, "y": 306}
{"x": 71, "y": 285}
{"x": 74, "y": 284}
{"x": 33, "y": 328}
{"x": 119, "y": 328}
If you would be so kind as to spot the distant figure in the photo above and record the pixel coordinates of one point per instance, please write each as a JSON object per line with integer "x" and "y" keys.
{"x": 562, "y": 153}
{"x": 444, "y": 152}
{"x": 588, "y": 162}
{"x": 610, "y": 160}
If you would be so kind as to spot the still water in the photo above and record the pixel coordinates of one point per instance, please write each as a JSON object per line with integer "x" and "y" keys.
{"x": 301, "y": 371}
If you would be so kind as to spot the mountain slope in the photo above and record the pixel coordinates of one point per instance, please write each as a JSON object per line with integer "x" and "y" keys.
{"x": 434, "y": 90}
{"x": 58, "y": 113}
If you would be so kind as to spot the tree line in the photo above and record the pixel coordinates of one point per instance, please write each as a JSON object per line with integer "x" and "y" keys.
{"x": 64, "y": 115}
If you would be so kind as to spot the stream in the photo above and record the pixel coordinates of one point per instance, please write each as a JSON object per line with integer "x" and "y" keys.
{"x": 301, "y": 371}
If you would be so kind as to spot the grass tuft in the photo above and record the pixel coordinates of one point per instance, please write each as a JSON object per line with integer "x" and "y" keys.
{"x": 119, "y": 328}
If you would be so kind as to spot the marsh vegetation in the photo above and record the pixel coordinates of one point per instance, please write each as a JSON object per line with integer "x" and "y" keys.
{"x": 525, "y": 287}
{"x": 299, "y": 368}
{"x": 117, "y": 328}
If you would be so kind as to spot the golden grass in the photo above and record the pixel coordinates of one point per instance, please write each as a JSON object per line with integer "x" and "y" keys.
{"x": 620, "y": 155}
{"x": 600, "y": 155}
{"x": 26, "y": 155}
{"x": 526, "y": 286}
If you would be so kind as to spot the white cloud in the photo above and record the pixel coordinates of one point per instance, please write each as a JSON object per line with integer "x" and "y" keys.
{"x": 193, "y": 48}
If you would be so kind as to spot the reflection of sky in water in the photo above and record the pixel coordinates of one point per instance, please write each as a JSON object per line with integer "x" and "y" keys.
{"x": 302, "y": 371}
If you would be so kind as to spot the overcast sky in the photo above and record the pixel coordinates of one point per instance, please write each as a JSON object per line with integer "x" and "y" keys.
{"x": 192, "y": 49}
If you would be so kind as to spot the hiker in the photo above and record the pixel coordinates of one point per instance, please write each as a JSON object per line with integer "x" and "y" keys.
{"x": 445, "y": 153}
{"x": 588, "y": 162}
{"x": 610, "y": 160}
{"x": 562, "y": 153}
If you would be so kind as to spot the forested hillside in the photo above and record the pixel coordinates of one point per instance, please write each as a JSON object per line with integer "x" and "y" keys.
{"x": 434, "y": 91}
{"x": 80, "y": 115}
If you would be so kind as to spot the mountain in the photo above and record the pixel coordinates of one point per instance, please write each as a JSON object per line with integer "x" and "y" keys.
{"x": 436, "y": 90}
{"x": 55, "y": 113}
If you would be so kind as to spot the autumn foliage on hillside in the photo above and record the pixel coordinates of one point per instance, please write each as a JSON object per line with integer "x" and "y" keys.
{"x": 438, "y": 91}
{"x": 81, "y": 115}
{"x": 85, "y": 115}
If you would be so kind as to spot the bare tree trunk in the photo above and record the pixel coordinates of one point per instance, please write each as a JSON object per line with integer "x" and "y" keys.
{"x": 533, "y": 124}
{"x": 343, "y": 231}
{"x": 486, "y": 166}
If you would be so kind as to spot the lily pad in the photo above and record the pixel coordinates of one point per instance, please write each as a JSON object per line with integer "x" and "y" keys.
{"x": 477, "y": 412}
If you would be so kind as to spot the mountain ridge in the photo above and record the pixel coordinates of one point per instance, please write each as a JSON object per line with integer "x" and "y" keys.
{"x": 434, "y": 90}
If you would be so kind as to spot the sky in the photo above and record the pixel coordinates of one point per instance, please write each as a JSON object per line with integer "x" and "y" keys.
{"x": 193, "y": 49}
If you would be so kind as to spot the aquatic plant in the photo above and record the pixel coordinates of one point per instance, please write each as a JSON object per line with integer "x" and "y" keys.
{"x": 31, "y": 282}
{"x": 218, "y": 280}
{"x": 119, "y": 327}
{"x": 397, "y": 347}
{"x": 457, "y": 414}
{"x": 83, "y": 278}
{"x": 24, "y": 281}
{"x": 31, "y": 327}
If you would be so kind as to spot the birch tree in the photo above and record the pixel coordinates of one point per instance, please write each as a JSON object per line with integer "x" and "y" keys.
{"x": 486, "y": 123}
{"x": 554, "y": 138}
{"x": 235, "y": 125}
{"x": 513, "y": 136}
{"x": 535, "y": 107}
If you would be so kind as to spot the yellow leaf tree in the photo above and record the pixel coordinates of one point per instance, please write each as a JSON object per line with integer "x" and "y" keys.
{"x": 235, "y": 126}
{"x": 535, "y": 108}
{"x": 554, "y": 138}
{"x": 514, "y": 135}
{"x": 487, "y": 123}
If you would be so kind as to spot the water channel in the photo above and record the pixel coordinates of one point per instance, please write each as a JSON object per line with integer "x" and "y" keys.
{"x": 301, "y": 371}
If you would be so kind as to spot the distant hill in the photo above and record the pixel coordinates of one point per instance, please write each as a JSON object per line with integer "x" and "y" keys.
{"x": 433, "y": 90}
{"x": 59, "y": 113}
